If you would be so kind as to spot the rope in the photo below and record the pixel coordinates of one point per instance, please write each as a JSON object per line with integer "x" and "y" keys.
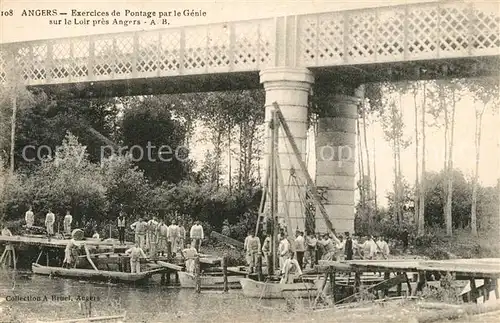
{"x": 293, "y": 175}
{"x": 304, "y": 201}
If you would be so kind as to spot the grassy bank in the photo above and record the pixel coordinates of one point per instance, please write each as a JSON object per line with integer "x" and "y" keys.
{"x": 436, "y": 245}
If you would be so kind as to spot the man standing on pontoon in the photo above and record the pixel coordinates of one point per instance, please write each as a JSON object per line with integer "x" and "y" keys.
{"x": 196, "y": 234}
{"x": 50, "y": 218}
{"x": 136, "y": 253}
{"x": 348, "y": 247}
{"x": 188, "y": 255}
{"x": 151, "y": 236}
{"x": 121, "y": 228}
{"x": 253, "y": 249}
{"x": 312, "y": 250}
{"x": 70, "y": 253}
{"x": 68, "y": 219}
{"x": 182, "y": 234}
{"x": 29, "y": 217}
{"x": 162, "y": 238}
{"x": 290, "y": 270}
{"x": 283, "y": 250}
{"x": 173, "y": 237}
{"x": 140, "y": 228}
{"x": 300, "y": 248}
{"x": 266, "y": 249}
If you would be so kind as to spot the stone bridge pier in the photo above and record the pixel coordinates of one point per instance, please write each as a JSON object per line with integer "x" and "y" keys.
{"x": 335, "y": 145}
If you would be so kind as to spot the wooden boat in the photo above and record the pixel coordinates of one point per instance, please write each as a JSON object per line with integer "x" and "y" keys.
{"x": 91, "y": 274}
{"x": 188, "y": 280}
{"x": 253, "y": 288}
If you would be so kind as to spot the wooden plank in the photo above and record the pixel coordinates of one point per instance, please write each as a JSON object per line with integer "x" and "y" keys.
{"x": 227, "y": 239}
{"x": 211, "y": 260}
{"x": 238, "y": 270}
{"x": 87, "y": 252}
{"x": 169, "y": 265}
{"x": 61, "y": 243}
{"x": 386, "y": 284}
{"x": 487, "y": 268}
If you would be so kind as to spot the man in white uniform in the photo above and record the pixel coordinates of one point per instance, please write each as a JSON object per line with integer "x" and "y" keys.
{"x": 68, "y": 219}
{"x": 50, "y": 219}
{"x": 29, "y": 217}
{"x": 136, "y": 253}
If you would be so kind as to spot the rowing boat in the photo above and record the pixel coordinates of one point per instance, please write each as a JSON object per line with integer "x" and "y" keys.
{"x": 188, "y": 280}
{"x": 253, "y": 288}
{"x": 91, "y": 274}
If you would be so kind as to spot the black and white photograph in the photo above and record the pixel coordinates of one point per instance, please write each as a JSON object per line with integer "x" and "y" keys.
{"x": 250, "y": 161}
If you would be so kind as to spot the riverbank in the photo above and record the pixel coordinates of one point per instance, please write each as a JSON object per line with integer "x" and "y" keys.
{"x": 437, "y": 246}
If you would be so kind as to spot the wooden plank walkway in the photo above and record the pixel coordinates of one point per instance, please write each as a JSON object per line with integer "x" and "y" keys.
{"x": 489, "y": 268}
{"x": 60, "y": 243}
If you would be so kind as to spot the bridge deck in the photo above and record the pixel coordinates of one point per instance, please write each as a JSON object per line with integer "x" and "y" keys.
{"x": 363, "y": 40}
{"x": 60, "y": 243}
{"x": 479, "y": 268}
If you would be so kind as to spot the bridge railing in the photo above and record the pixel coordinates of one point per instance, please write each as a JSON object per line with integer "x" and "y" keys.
{"x": 429, "y": 31}
{"x": 436, "y": 30}
{"x": 214, "y": 48}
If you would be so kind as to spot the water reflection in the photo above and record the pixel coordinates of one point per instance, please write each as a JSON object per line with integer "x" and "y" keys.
{"x": 142, "y": 303}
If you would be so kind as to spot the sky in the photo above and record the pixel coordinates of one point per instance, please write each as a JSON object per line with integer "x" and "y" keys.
{"x": 18, "y": 28}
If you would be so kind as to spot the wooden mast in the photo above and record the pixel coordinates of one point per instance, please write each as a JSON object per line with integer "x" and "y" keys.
{"x": 273, "y": 190}
{"x": 303, "y": 167}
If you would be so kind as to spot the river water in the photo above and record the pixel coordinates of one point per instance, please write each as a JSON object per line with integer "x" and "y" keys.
{"x": 25, "y": 297}
{"x": 30, "y": 297}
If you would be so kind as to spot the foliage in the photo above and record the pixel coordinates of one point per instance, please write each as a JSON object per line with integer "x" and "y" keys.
{"x": 67, "y": 181}
{"x": 435, "y": 199}
{"x": 126, "y": 187}
{"x": 47, "y": 121}
{"x": 447, "y": 292}
{"x": 211, "y": 205}
{"x": 148, "y": 123}
{"x": 95, "y": 193}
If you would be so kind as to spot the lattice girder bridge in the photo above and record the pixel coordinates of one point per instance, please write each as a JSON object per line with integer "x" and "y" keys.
{"x": 396, "y": 42}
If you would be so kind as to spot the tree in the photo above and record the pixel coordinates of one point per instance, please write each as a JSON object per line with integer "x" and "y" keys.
{"x": 454, "y": 89}
{"x": 155, "y": 140}
{"x": 421, "y": 198}
{"x": 448, "y": 93}
{"x": 11, "y": 98}
{"x": 485, "y": 94}
{"x": 416, "y": 88}
{"x": 393, "y": 126}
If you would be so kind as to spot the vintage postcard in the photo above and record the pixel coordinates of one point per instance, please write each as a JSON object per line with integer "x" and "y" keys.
{"x": 246, "y": 161}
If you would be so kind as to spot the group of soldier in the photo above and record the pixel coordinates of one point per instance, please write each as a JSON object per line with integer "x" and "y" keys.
{"x": 50, "y": 220}
{"x": 152, "y": 237}
{"x": 157, "y": 237}
{"x": 295, "y": 254}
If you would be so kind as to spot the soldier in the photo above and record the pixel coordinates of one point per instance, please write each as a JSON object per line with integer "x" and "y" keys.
{"x": 162, "y": 237}
{"x": 50, "y": 218}
{"x": 29, "y": 217}
{"x": 121, "y": 228}
{"x": 173, "y": 236}
{"x": 68, "y": 219}
{"x": 140, "y": 228}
